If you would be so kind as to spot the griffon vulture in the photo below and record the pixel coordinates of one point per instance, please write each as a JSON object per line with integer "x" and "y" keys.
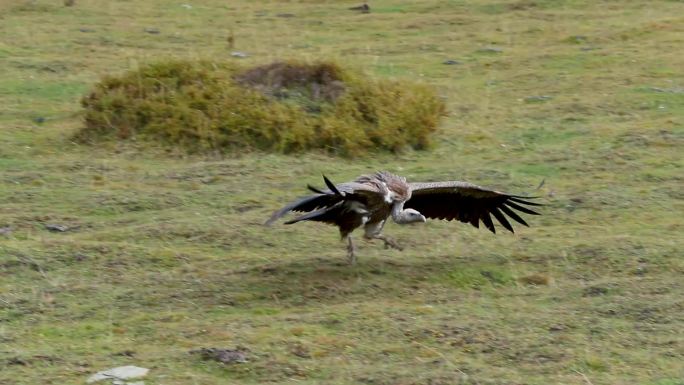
{"x": 371, "y": 199}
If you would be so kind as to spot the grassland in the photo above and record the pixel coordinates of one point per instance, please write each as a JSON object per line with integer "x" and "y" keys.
{"x": 166, "y": 252}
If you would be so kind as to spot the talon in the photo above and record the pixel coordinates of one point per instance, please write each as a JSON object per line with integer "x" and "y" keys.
{"x": 391, "y": 243}
{"x": 394, "y": 245}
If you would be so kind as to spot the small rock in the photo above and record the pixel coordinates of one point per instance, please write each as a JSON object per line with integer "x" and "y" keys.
{"x": 120, "y": 373}
{"x": 364, "y": 8}
{"x": 490, "y": 50}
{"x": 5, "y": 230}
{"x": 38, "y": 119}
{"x": 50, "y": 359}
{"x": 577, "y": 39}
{"x": 536, "y": 279}
{"x": 451, "y": 62}
{"x": 538, "y": 98}
{"x": 594, "y": 291}
{"x": 238, "y": 54}
{"x": 268, "y": 269}
{"x": 153, "y": 31}
{"x": 17, "y": 361}
{"x": 300, "y": 351}
{"x": 675, "y": 90}
{"x": 57, "y": 228}
{"x": 186, "y": 6}
{"x": 125, "y": 353}
{"x": 285, "y": 15}
{"x": 52, "y": 68}
{"x": 589, "y": 48}
{"x": 226, "y": 356}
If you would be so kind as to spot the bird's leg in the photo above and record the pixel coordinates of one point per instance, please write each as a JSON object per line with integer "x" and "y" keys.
{"x": 351, "y": 256}
{"x": 374, "y": 231}
{"x": 389, "y": 242}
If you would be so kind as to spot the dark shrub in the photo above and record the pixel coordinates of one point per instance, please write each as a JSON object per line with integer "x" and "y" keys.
{"x": 282, "y": 107}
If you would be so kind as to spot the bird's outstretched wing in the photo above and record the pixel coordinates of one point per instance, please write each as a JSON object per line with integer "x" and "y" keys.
{"x": 329, "y": 197}
{"x": 468, "y": 203}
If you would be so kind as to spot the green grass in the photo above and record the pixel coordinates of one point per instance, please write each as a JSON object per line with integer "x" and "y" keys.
{"x": 168, "y": 253}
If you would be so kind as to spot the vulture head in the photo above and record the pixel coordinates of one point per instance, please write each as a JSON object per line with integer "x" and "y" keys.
{"x": 410, "y": 216}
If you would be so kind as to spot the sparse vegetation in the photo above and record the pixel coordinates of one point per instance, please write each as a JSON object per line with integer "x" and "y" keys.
{"x": 283, "y": 107}
{"x": 165, "y": 253}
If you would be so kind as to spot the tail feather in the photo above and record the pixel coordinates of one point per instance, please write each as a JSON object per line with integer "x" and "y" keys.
{"x": 309, "y": 203}
{"x": 315, "y": 204}
{"x": 324, "y": 214}
{"x": 316, "y": 190}
{"x": 331, "y": 186}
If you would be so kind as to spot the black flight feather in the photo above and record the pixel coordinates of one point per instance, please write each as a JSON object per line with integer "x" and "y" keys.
{"x": 519, "y": 199}
{"x": 521, "y": 208}
{"x": 513, "y": 215}
{"x": 487, "y": 220}
{"x": 331, "y": 186}
{"x": 314, "y": 189}
{"x": 502, "y": 219}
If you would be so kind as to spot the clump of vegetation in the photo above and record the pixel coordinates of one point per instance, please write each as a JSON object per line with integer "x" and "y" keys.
{"x": 283, "y": 107}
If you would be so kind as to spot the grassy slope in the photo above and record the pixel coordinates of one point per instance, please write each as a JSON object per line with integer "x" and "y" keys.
{"x": 170, "y": 256}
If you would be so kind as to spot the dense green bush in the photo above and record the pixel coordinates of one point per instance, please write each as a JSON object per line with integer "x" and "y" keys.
{"x": 283, "y": 107}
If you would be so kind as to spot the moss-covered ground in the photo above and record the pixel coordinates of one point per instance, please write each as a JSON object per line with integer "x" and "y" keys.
{"x": 166, "y": 252}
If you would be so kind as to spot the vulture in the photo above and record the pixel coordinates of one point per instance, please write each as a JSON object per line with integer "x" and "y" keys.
{"x": 370, "y": 200}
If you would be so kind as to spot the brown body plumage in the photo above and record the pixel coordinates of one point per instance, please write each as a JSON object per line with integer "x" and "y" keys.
{"x": 370, "y": 199}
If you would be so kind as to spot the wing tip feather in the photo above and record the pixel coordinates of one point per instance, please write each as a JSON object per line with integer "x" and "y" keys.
{"x": 502, "y": 219}
{"x": 521, "y": 199}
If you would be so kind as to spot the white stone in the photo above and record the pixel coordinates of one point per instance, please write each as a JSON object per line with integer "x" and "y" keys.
{"x": 120, "y": 373}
